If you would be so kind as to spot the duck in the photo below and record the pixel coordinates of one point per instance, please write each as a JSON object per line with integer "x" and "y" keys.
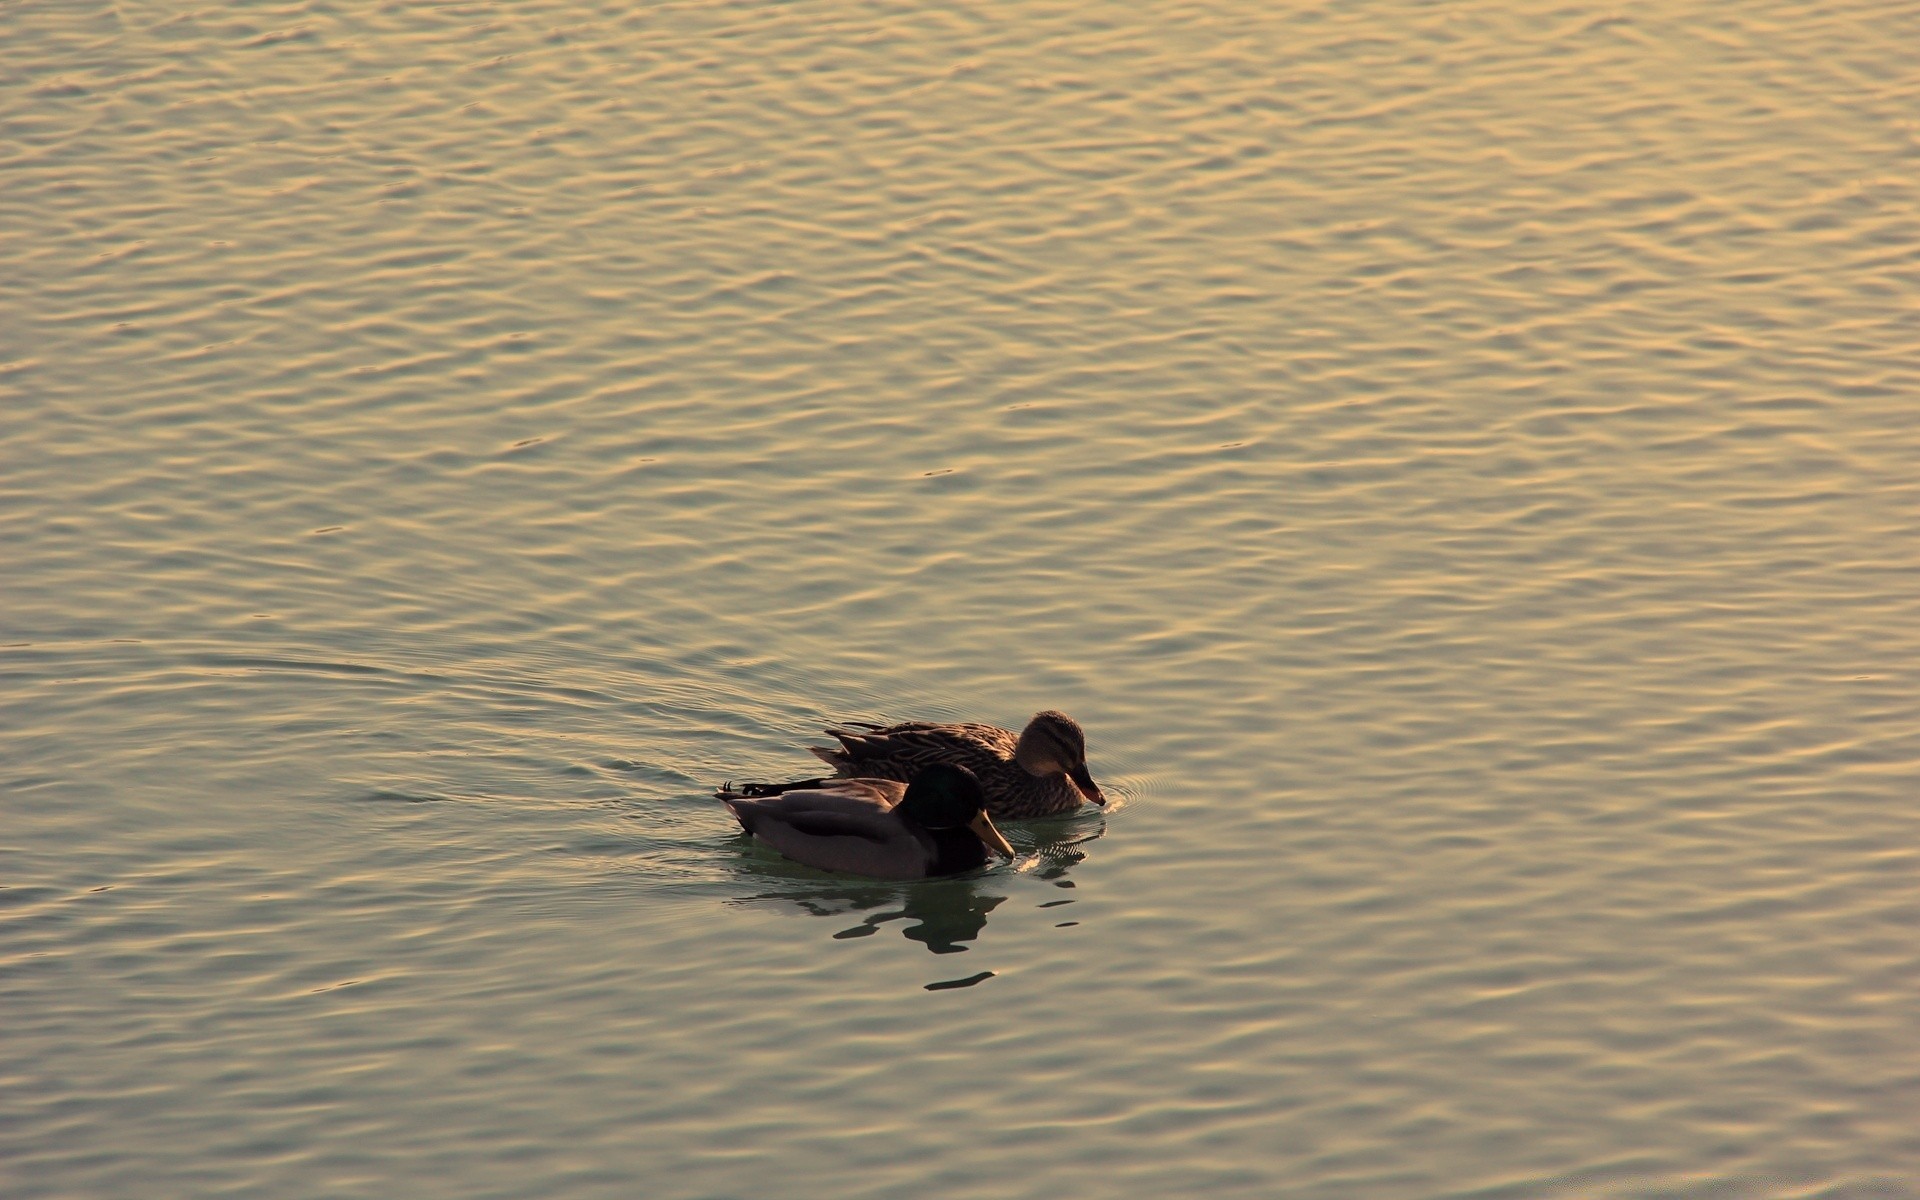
{"x": 936, "y": 824}
{"x": 1039, "y": 772}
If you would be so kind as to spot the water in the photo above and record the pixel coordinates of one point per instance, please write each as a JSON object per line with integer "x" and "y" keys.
{"x": 1458, "y": 463}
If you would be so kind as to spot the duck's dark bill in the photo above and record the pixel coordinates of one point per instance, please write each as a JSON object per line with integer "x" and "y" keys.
{"x": 1084, "y": 781}
{"x": 983, "y": 825}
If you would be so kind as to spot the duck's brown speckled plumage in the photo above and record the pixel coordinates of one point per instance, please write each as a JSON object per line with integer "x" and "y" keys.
{"x": 1012, "y": 791}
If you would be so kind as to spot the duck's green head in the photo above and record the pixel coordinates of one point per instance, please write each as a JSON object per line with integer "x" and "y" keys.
{"x": 945, "y": 796}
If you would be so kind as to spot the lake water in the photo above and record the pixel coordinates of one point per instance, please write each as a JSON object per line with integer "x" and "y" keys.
{"x": 1461, "y": 463}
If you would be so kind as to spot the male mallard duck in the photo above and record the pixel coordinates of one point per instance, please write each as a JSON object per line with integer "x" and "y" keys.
{"x": 935, "y": 825}
{"x": 1041, "y": 772}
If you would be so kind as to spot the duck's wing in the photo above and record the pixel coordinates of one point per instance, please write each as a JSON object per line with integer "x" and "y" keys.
{"x": 884, "y": 792}
{"x": 905, "y": 748}
{"x": 853, "y": 797}
{"x": 837, "y": 830}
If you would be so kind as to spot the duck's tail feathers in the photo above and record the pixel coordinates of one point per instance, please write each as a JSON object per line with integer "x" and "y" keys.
{"x": 852, "y": 734}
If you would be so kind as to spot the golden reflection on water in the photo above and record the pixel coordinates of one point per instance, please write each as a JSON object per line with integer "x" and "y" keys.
{"x": 1455, "y": 460}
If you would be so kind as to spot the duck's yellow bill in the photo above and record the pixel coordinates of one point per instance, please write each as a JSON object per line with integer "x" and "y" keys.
{"x": 983, "y": 825}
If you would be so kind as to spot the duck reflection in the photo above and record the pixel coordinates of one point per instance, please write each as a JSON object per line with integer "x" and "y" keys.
{"x": 944, "y": 915}
{"x": 941, "y": 917}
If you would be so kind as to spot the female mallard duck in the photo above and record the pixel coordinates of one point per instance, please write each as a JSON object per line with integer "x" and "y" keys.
{"x": 1041, "y": 772}
{"x": 935, "y": 825}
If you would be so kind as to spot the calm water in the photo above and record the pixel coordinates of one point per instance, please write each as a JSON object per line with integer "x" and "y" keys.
{"x": 1461, "y": 463}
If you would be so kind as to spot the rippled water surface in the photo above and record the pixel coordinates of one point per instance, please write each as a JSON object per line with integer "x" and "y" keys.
{"x": 1460, "y": 462}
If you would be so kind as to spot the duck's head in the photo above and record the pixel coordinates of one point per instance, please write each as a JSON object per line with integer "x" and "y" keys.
{"x": 945, "y": 796}
{"x": 1052, "y": 744}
